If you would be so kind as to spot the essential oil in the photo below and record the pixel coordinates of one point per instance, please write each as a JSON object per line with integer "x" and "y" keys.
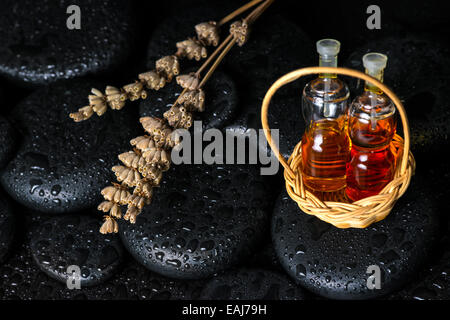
{"x": 371, "y": 127}
{"x": 325, "y": 143}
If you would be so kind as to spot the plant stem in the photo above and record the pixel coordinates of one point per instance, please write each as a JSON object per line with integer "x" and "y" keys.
{"x": 214, "y": 54}
{"x": 217, "y": 62}
{"x": 238, "y": 11}
{"x": 250, "y": 19}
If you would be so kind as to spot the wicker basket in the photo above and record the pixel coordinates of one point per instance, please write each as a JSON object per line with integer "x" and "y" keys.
{"x": 335, "y": 207}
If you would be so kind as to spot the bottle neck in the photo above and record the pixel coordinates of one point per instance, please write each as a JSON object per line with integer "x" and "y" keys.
{"x": 377, "y": 75}
{"x": 327, "y": 61}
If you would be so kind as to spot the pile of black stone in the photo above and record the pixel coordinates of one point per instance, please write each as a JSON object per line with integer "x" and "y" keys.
{"x": 207, "y": 233}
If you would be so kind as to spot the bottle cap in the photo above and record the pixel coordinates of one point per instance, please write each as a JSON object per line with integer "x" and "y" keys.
{"x": 374, "y": 62}
{"x": 328, "y": 47}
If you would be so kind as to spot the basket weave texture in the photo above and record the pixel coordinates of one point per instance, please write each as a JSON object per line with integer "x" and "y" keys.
{"x": 335, "y": 207}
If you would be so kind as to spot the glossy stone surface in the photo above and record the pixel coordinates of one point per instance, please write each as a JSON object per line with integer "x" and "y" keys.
{"x": 268, "y": 55}
{"x": 60, "y": 242}
{"x": 221, "y": 101}
{"x": 202, "y": 220}
{"x": 251, "y": 284}
{"x": 178, "y": 27}
{"x": 418, "y": 72}
{"x": 333, "y": 262}
{"x": 61, "y": 166}
{"x": 41, "y": 49}
{"x": 8, "y": 139}
{"x": 7, "y": 227}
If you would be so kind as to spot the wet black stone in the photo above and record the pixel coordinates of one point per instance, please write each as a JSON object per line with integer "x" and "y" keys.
{"x": 434, "y": 283}
{"x": 7, "y": 227}
{"x": 60, "y": 242}
{"x": 8, "y": 139}
{"x": 135, "y": 282}
{"x": 332, "y": 262}
{"x": 252, "y": 284}
{"x": 276, "y": 47}
{"x": 21, "y": 279}
{"x": 37, "y": 47}
{"x": 202, "y": 220}
{"x": 61, "y": 166}
{"x": 417, "y": 71}
{"x": 221, "y": 101}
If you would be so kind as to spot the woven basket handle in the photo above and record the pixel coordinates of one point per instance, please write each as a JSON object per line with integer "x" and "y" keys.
{"x": 296, "y": 74}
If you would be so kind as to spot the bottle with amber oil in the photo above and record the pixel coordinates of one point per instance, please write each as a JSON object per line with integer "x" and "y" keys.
{"x": 325, "y": 142}
{"x": 371, "y": 127}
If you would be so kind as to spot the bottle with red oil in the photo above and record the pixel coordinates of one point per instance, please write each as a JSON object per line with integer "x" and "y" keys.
{"x": 371, "y": 127}
{"x": 325, "y": 142}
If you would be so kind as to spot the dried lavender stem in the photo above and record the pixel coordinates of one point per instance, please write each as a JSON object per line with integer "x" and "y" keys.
{"x": 237, "y": 12}
{"x": 216, "y": 63}
{"x": 214, "y": 54}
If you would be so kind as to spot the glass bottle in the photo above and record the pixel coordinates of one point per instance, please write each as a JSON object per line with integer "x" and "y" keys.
{"x": 325, "y": 143}
{"x": 371, "y": 127}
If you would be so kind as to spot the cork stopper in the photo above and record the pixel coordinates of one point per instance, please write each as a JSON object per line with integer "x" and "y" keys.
{"x": 328, "y": 47}
{"x": 375, "y": 63}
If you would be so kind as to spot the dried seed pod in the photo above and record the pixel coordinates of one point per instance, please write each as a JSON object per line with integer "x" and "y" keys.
{"x": 116, "y": 193}
{"x": 240, "y": 32}
{"x": 168, "y": 67}
{"x": 208, "y": 33}
{"x": 97, "y": 101}
{"x": 193, "y": 100}
{"x": 152, "y": 174}
{"x": 178, "y": 117}
{"x": 152, "y": 80}
{"x": 115, "y": 211}
{"x": 135, "y": 90}
{"x": 138, "y": 201}
{"x": 132, "y": 159}
{"x": 105, "y": 206}
{"x": 82, "y": 114}
{"x": 157, "y": 128}
{"x": 173, "y": 139}
{"x": 191, "y": 49}
{"x": 129, "y": 176}
{"x": 189, "y": 81}
{"x": 143, "y": 142}
{"x": 109, "y": 226}
{"x": 131, "y": 214}
{"x": 115, "y": 97}
{"x": 145, "y": 188}
{"x": 157, "y": 157}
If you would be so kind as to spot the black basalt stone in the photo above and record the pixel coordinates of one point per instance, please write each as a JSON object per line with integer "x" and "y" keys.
{"x": 221, "y": 101}
{"x": 276, "y": 46}
{"x": 8, "y": 139}
{"x": 21, "y": 279}
{"x": 252, "y": 284}
{"x": 418, "y": 72}
{"x": 60, "y": 242}
{"x": 333, "y": 262}
{"x": 37, "y": 47}
{"x": 135, "y": 282}
{"x": 61, "y": 166}
{"x": 178, "y": 27}
{"x": 7, "y": 227}
{"x": 202, "y": 220}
